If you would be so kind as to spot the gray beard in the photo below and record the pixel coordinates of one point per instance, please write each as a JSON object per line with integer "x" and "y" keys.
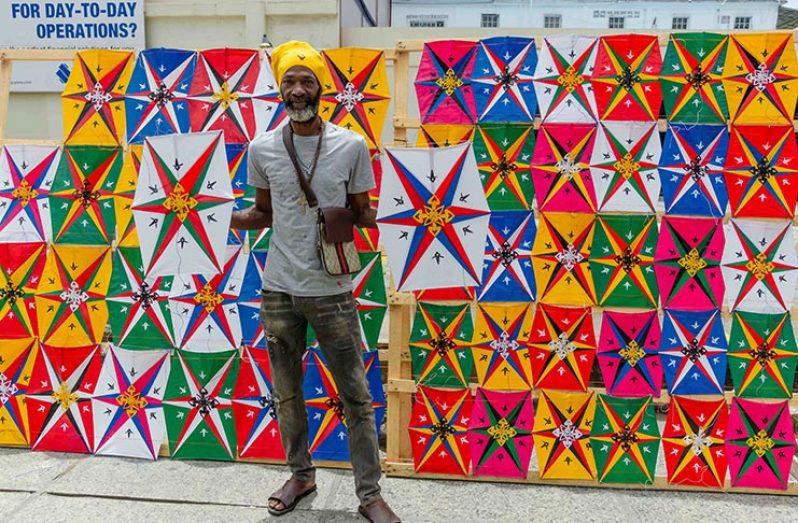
{"x": 302, "y": 115}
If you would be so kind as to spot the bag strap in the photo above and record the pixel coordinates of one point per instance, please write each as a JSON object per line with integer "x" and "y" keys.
{"x": 288, "y": 141}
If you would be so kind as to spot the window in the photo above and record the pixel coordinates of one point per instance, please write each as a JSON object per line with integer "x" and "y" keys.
{"x": 427, "y": 23}
{"x": 679, "y": 22}
{"x": 616, "y": 22}
{"x": 742, "y": 22}
{"x": 552, "y": 21}
{"x": 490, "y": 20}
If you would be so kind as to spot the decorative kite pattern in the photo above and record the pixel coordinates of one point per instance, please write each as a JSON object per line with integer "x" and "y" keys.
{"x": 249, "y": 301}
{"x": 628, "y": 353}
{"x": 368, "y": 288}
{"x": 562, "y": 79}
{"x": 507, "y": 267}
{"x": 27, "y": 173}
{"x": 500, "y": 431}
{"x": 443, "y": 83}
{"x": 439, "y": 430}
{"x": 442, "y": 135}
{"x": 503, "y": 154}
{"x": 22, "y": 265}
{"x": 501, "y": 355}
{"x": 16, "y": 363}
{"x": 502, "y": 79}
{"x": 561, "y": 433}
{"x": 439, "y": 345}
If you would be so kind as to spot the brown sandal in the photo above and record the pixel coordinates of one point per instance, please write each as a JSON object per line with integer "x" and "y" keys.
{"x": 378, "y": 512}
{"x": 289, "y": 495}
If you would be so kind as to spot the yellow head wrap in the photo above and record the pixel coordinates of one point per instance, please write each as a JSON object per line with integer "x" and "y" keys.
{"x": 287, "y": 55}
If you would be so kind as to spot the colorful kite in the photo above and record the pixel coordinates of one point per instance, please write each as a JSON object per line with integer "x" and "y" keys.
{"x": 625, "y": 440}
{"x": 254, "y": 414}
{"x": 560, "y": 170}
{"x": 692, "y": 351}
{"x": 439, "y": 345}
{"x": 127, "y": 404}
{"x": 446, "y": 294}
{"x": 691, "y": 170}
{"x": 268, "y": 103}
{"x": 356, "y": 95}
{"x": 371, "y": 298}
{"x": 138, "y": 305}
{"x": 762, "y": 355}
{"x": 93, "y": 99}
{"x": 628, "y": 353}
{"x": 500, "y": 430}
{"x": 693, "y": 439}
{"x": 439, "y": 430}
{"x": 562, "y": 347}
{"x": 243, "y": 193}
{"x": 692, "y": 69}
{"x": 367, "y": 239}
{"x": 503, "y": 153}
{"x": 70, "y": 305}
{"x": 624, "y": 166}
{"x": 687, "y": 262}
{"x": 760, "y": 78}
{"x": 443, "y": 82}
{"x": 560, "y": 259}
{"x": 82, "y": 196}
{"x": 760, "y": 444}
{"x": 59, "y": 398}
{"x": 501, "y": 355}
{"x": 328, "y": 426}
{"x": 507, "y": 266}
{"x": 184, "y": 202}
{"x": 205, "y": 313}
{"x": 622, "y": 260}
{"x": 22, "y": 265}
{"x": 125, "y": 232}
{"x": 249, "y": 302}
{"x": 433, "y": 217}
{"x": 156, "y": 99}
{"x": 626, "y": 77}
{"x": 197, "y": 406}
{"x": 259, "y": 240}
{"x": 444, "y": 135}
{"x": 562, "y": 79}
{"x": 502, "y": 79}
{"x": 26, "y": 177}
{"x": 561, "y": 430}
{"x": 759, "y": 266}
{"x": 760, "y": 174}
{"x": 16, "y": 362}
{"x": 221, "y": 94}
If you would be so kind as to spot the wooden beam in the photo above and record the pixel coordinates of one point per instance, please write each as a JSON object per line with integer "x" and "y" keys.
{"x": 5, "y": 93}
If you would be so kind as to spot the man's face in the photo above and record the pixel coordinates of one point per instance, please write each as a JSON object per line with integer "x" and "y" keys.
{"x": 301, "y": 92}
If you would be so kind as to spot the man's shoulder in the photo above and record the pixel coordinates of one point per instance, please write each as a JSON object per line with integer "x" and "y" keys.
{"x": 267, "y": 140}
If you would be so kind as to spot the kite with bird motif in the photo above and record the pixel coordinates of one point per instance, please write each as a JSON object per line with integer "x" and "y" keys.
{"x": 562, "y": 79}
{"x": 759, "y": 265}
{"x": 356, "y": 95}
{"x": 156, "y": 98}
{"x": 628, "y": 353}
{"x": 560, "y": 259}
{"x": 560, "y": 168}
{"x": 439, "y": 430}
{"x": 93, "y": 99}
{"x": 254, "y": 414}
{"x": 626, "y": 77}
{"x": 625, "y": 440}
{"x": 249, "y": 301}
{"x": 691, "y": 170}
{"x": 760, "y": 444}
{"x": 371, "y": 297}
{"x": 268, "y": 103}
{"x": 562, "y": 347}
{"x": 70, "y": 305}
{"x": 503, "y": 154}
{"x": 502, "y": 79}
{"x": 500, "y": 432}
{"x": 760, "y": 78}
{"x": 692, "y": 69}
{"x": 243, "y": 193}
{"x": 693, "y": 440}
{"x": 16, "y": 363}
{"x": 762, "y": 355}
{"x": 198, "y": 408}
{"x": 561, "y": 433}
{"x": 433, "y": 217}
{"x": 443, "y": 83}
{"x": 693, "y": 351}
{"x": 507, "y": 267}
{"x": 444, "y": 135}
{"x": 22, "y": 265}
{"x": 125, "y": 232}
{"x": 183, "y": 204}
{"x": 128, "y": 403}
{"x": 58, "y": 399}
{"x": 26, "y": 178}
{"x": 624, "y": 166}
{"x": 501, "y": 355}
{"x": 760, "y": 171}
{"x": 440, "y": 345}
{"x": 687, "y": 262}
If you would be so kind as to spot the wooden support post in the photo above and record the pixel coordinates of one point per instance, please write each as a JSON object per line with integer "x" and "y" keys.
{"x": 401, "y": 77}
{"x": 5, "y": 92}
{"x": 399, "y": 405}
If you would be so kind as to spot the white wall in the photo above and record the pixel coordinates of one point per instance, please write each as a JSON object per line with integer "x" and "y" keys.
{"x": 379, "y": 9}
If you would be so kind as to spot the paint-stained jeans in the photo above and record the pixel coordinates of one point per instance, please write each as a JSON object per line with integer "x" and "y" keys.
{"x": 334, "y": 319}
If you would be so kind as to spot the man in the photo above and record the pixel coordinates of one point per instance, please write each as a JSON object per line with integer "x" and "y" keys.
{"x": 296, "y": 289}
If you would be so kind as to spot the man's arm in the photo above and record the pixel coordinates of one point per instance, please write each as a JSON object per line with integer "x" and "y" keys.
{"x": 258, "y": 216}
{"x": 365, "y": 216}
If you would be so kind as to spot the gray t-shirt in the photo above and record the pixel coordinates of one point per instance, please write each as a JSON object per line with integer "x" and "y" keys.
{"x": 293, "y": 265}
